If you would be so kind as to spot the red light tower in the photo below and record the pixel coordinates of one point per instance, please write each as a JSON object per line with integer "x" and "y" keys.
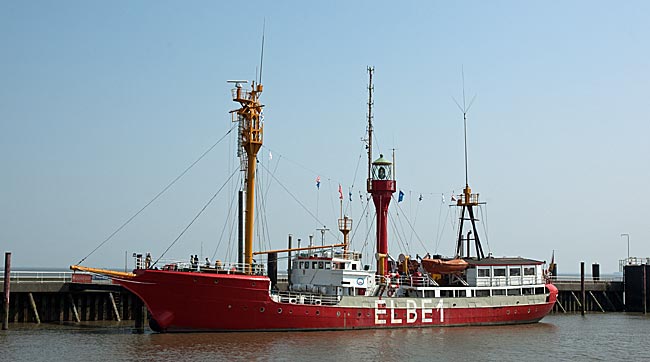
{"x": 382, "y": 186}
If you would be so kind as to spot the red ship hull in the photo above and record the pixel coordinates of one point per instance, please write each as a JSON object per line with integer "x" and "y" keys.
{"x": 186, "y": 301}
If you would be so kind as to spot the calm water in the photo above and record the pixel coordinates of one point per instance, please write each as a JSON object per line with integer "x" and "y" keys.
{"x": 603, "y": 337}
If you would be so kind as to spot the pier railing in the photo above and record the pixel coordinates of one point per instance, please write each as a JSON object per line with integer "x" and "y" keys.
{"x": 55, "y": 277}
{"x": 588, "y": 279}
{"x": 632, "y": 260}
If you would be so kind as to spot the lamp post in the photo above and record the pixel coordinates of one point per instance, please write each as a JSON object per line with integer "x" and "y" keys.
{"x": 628, "y": 245}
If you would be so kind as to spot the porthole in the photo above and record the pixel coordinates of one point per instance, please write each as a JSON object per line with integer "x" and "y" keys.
{"x": 290, "y": 311}
{"x": 262, "y": 310}
{"x": 216, "y": 281}
{"x": 229, "y": 306}
{"x": 508, "y": 312}
{"x": 528, "y": 310}
{"x": 279, "y": 310}
{"x": 368, "y": 314}
{"x": 359, "y": 314}
{"x": 338, "y": 314}
{"x": 306, "y": 312}
{"x": 317, "y": 312}
{"x": 253, "y": 283}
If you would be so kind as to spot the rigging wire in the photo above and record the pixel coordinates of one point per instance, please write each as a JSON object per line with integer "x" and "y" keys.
{"x": 485, "y": 227}
{"x": 354, "y": 179}
{"x": 197, "y": 216}
{"x": 227, "y": 221}
{"x": 363, "y": 213}
{"x": 338, "y": 238}
{"x": 441, "y": 230}
{"x": 400, "y": 237}
{"x": 410, "y": 225}
{"x": 157, "y": 196}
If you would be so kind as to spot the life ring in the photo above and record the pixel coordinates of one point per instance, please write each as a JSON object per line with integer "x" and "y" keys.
{"x": 390, "y": 292}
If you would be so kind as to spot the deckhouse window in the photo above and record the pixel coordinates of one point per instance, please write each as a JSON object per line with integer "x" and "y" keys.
{"x": 314, "y": 264}
{"x": 529, "y": 270}
{"x": 499, "y": 272}
{"x": 328, "y": 265}
{"x": 300, "y": 265}
{"x": 320, "y": 265}
{"x": 515, "y": 272}
{"x": 482, "y": 273}
{"x": 306, "y": 265}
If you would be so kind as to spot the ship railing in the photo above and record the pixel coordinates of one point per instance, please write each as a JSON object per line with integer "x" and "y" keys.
{"x": 396, "y": 280}
{"x": 241, "y": 93}
{"x": 307, "y": 298}
{"x": 218, "y": 266}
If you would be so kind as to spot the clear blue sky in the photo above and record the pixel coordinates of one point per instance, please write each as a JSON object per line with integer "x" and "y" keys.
{"x": 103, "y": 103}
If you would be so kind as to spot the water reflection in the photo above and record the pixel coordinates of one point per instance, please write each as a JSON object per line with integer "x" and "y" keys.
{"x": 612, "y": 336}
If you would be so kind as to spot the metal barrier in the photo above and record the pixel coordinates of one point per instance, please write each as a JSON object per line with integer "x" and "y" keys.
{"x": 53, "y": 277}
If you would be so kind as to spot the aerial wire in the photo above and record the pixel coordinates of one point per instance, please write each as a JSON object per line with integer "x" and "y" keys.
{"x": 157, "y": 196}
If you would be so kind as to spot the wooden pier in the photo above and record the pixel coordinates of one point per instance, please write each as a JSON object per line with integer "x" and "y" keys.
{"x": 599, "y": 295}
{"x": 40, "y": 297}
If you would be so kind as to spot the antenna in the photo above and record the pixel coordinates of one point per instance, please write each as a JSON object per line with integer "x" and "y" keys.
{"x": 371, "y": 88}
{"x": 262, "y": 55}
{"x": 464, "y": 109}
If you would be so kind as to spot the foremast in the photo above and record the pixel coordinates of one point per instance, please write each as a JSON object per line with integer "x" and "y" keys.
{"x": 381, "y": 185}
{"x": 251, "y": 129}
{"x": 467, "y": 201}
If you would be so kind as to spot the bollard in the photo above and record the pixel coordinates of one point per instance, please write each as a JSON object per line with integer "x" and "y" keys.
{"x": 7, "y": 282}
{"x": 582, "y": 287}
{"x": 595, "y": 271}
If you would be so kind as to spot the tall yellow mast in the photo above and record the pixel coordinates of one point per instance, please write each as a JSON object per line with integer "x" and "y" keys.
{"x": 251, "y": 129}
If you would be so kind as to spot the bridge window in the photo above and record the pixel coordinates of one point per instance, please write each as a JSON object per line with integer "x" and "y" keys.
{"x": 515, "y": 272}
{"x": 539, "y": 290}
{"x": 461, "y": 293}
{"x": 498, "y": 292}
{"x": 529, "y": 270}
{"x": 354, "y": 266}
{"x": 300, "y": 265}
{"x": 314, "y": 264}
{"x": 482, "y": 293}
{"x": 483, "y": 273}
{"x": 499, "y": 272}
{"x": 514, "y": 291}
{"x": 527, "y": 291}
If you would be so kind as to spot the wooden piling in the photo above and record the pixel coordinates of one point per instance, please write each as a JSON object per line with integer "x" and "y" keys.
{"x": 139, "y": 314}
{"x": 582, "y": 287}
{"x": 37, "y": 318}
{"x": 75, "y": 314}
{"x": 117, "y": 313}
{"x": 7, "y": 282}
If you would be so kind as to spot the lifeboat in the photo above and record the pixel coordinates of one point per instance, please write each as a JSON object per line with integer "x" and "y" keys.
{"x": 439, "y": 266}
